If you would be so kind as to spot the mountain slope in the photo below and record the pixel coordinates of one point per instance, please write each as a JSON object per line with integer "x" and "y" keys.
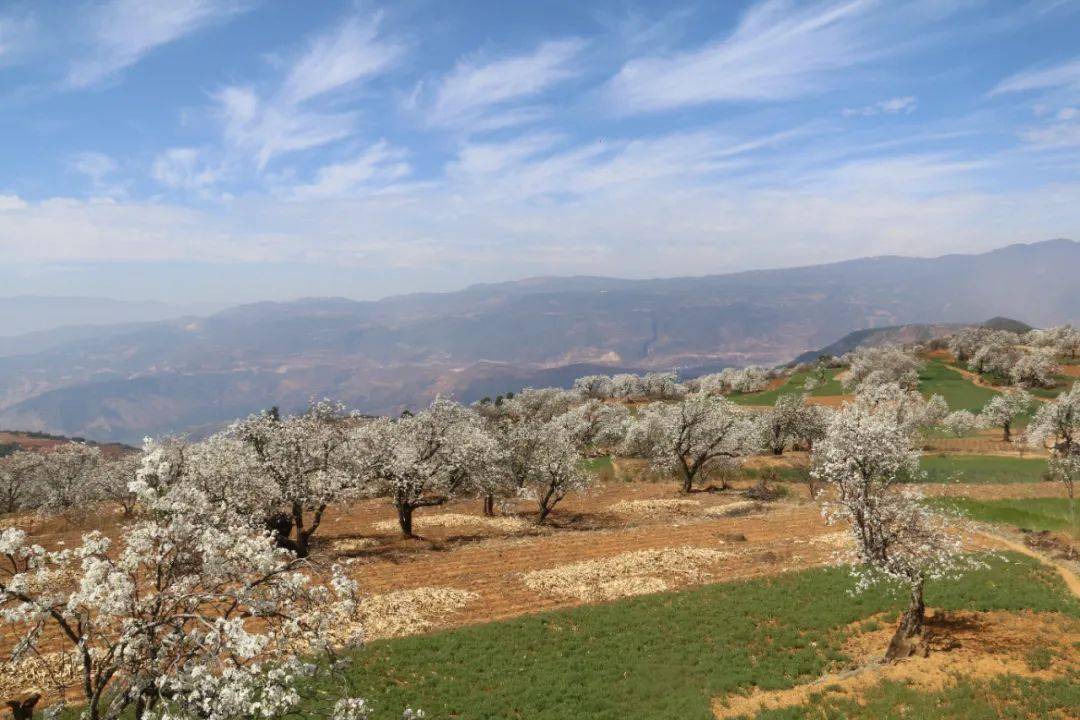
{"x": 174, "y": 375}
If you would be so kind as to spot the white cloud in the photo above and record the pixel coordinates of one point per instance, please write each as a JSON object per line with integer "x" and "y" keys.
{"x": 292, "y": 118}
{"x": 185, "y": 168}
{"x": 338, "y": 59}
{"x": 477, "y": 93}
{"x": 1065, "y": 75}
{"x": 16, "y": 35}
{"x": 1055, "y": 135}
{"x": 776, "y": 52}
{"x": 122, "y": 32}
{"x": 892, "y": 106}
{"x": 1058, "y": 89}
{"x": 94, "y": 165}
{"x": 376, "y": 166}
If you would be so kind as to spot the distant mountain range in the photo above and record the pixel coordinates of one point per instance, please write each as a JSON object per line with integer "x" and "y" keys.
{"x": 124, "y": 381}
{"x": 24, "y": 314}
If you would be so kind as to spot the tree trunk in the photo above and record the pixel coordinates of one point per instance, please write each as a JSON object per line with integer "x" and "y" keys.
{"x": 904, "y": 640}
{"x": 404, "y": 515}
{"x": 23, "y": 708}
{"x": 1007, "y": 432}
{"x": 687, "y": 478}
{"x": 489, "y": 505}
{"x": 778, "y": 450}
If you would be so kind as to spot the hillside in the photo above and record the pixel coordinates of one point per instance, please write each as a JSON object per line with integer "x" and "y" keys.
{"x": 122, "y": 382}
{"x": 903, "y": 335}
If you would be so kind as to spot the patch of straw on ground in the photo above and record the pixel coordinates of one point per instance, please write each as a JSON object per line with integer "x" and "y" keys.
{"x": 735, "y": 509}
{"x": 633, "y": 573}
{"x": 455, "y": 520}
{"x": 657, "y": 507}
{"x": 408, "y": 612}
{"x": 344, "y": 546}
{"x": 37, "y": 673}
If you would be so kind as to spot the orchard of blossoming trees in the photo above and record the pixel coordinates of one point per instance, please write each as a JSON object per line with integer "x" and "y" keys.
{"x": 212, "y": 603}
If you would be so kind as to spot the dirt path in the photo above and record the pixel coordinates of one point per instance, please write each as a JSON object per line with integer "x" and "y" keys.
{"x": 1068, "y": 574}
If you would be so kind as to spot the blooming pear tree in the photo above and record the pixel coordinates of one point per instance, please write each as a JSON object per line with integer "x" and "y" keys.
{"x": 63, "y": 481}
{"x": 112, "y": 480}
{"x": 965, "y": 343}
{"x": 908, "y": 408}
{"x": 303, "y": 456}
{"x": 188, "y": 617}
{"x": 865, "y": 456}
{"x": 553, "y": 468}
{"x": 427, "y": 459}
{"x": 1058, "y": 423}
{"x": 18, "y": 472}
{"x": 873, "y": 366}
{"x": 595, "y": 425}
{"x": 960, "y": 423}
{"x": 1003, "y": 410}
{"x": 692, "y": 437}
{"x": 791, "y": 420}
{"x": 1035, "y": 370}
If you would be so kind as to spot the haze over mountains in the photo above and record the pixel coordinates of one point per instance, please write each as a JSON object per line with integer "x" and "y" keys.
{"x": 191, "y": 374}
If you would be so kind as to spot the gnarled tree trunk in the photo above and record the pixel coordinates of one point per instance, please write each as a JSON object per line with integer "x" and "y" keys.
{"x": 905, "y": 640}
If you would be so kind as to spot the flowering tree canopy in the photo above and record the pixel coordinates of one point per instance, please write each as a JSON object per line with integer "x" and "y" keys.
{"x": 1003, "y": 410}
{"x": 428, "y": 458}
{"x": 190, "y": 617}
{"x": 303, "y": 457}
{"x": 693, "y": 436}
{"x": 865, "y": 455}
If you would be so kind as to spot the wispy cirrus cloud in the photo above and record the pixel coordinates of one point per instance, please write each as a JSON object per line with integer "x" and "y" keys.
{"x": 17, "y": 33}
{"x": 377, "y": 166}
{"x": 485, "y": 94}
{"x": 293, "y": 118}
{"x": 122, "y": 32}
{"x": 1057, "y": 88}
{"x": 1063, "y": 75}
{"x": 892, "y": 106}
{"x": 776, "y": 52}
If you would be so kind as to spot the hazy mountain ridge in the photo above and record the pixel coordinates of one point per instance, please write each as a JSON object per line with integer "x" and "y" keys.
{"x": 121, "y": 382}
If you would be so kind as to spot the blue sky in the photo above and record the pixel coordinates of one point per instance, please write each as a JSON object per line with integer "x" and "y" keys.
{"x": 231, "y": 150}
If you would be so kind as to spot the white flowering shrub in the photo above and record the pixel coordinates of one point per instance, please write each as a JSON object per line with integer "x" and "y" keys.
{"x": 692, "y": 437}
{"x": 865, "y": 457}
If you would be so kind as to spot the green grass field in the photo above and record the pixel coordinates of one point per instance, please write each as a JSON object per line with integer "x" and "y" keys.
{"x": 1028, "y": 513}
{"x": 982, "y": 469}
{"x": 793, "y": 385}
{"x": 666, "y": 656}
{"x": 959, "y": 392}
